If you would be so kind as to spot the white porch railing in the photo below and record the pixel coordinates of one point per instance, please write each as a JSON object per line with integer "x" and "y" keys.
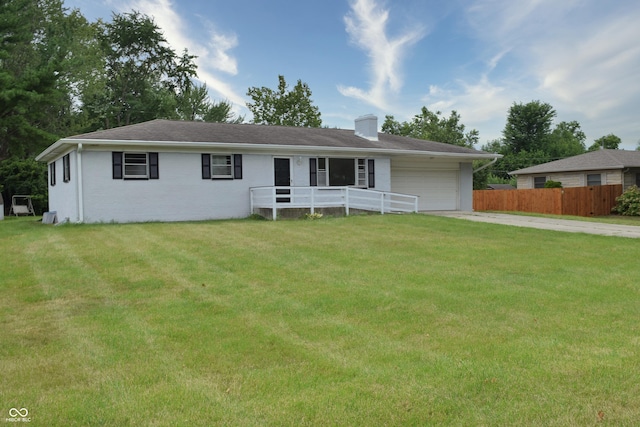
{"x": 275, "y": 198}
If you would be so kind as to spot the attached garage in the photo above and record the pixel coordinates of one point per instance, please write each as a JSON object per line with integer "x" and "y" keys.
{"x": 436, "y": 185}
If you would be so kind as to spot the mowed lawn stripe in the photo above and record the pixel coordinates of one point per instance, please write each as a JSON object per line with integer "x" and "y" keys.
{"x": 373, "y": 320}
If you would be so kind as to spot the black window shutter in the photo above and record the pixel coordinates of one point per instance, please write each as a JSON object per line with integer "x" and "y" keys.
{"x": 371, "y": 172}
{"x": 66, "y": 168}
{"x": 206, "y": 166}
{"x": 237, "y": 166}
{"x": 313, "y": 172}
{"x": 52, "y": 173}
{"x": 117, "y": 164}
{"x": 154, "y": 171}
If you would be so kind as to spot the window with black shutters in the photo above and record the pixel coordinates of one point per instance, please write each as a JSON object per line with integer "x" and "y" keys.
{"x": 135, "y": 165}
{"x": 221, "y": 166}
{"x": 329, "y": 171}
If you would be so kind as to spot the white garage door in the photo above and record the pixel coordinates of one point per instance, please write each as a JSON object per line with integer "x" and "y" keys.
{"x": 437, "y": 190}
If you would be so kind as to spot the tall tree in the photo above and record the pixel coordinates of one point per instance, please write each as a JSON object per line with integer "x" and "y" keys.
{"x": 142, "y": 76}
{"x": 433, "y": 127}
{"x": 566, "y": 140}
{"x": 528, "y": 126}
{"x": 195, "y": 104}
{"x": 284, "y": 107}
{"x": 611, "y": 142}
{"x": 30, "y": 63}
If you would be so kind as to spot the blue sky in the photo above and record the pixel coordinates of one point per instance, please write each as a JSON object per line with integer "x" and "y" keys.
{"x": 379, "y": 57}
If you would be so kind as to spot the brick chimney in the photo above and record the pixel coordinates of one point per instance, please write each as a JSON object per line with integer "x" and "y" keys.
{"x": 367, "y": 127}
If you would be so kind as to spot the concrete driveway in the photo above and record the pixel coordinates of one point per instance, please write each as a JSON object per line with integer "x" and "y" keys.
{"x": 567, "y": 225}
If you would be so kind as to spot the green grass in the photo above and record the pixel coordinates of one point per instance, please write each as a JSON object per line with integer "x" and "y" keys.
{"x": 368, "y": 320}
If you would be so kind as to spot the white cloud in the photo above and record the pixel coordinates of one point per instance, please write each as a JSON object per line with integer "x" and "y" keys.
{"x": 366, "y": 25}
{"x": 481, "y": 105}
{"x": 219, "y": 57}
{"x": 581, "y": 56}
{"x": 600, "y": 74}
{"x": 212, "y": 54}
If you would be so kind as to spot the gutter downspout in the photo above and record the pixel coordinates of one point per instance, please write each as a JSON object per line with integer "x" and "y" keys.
{"x": 79, "y": 185}
{"x": 487, "y": 165}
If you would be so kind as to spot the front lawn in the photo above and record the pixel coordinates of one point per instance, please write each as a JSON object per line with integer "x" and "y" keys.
{"x": 367, "y": 320}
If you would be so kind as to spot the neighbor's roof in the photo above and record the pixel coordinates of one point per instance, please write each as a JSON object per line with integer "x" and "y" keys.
{"x": 593, "y": 160}
{"x": 500, "y": 187}
{"x": 260, "y": 138}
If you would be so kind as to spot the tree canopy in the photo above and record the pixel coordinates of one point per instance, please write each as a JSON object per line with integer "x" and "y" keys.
{"x": 433, "y": 127}
{"x": 32, "y": 53}
{"x": 529, "y": 139}
{"x": 610, "y": 141}
{"x": 436, "y": 127}
{"x": 284, "y": 107}
{"x": 62, "y": 75}
{"x": 528, "y": 126}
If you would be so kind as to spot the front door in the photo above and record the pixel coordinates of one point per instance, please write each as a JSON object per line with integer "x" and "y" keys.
{"x": 282, "y": 177}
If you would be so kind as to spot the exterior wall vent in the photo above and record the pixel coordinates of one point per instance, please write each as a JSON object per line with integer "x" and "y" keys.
{"x": 367, "y": 127}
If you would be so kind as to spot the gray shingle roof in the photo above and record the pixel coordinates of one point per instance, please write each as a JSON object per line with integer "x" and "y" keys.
{"x": 593, "y": 160}
{"x": 183, "y": 131}
{"x": 183, "y": 135}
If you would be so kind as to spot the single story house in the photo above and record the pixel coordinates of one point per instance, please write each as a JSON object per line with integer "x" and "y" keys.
{"x": 602, "y": 167}
{"x": 165, "y": 170}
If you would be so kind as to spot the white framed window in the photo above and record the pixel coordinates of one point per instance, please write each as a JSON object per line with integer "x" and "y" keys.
{"x": 135, "y": 166}
{"x": 221, "y": 166}
{"x": 594, "y": 179}
{"x": 322, "y": 172}
{"x": 362, "y": 173}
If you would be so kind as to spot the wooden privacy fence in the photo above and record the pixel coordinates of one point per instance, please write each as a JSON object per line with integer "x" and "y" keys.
{"x": 579, "y": 201}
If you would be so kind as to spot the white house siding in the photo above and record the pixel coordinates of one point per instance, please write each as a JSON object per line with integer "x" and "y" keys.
{"x": 63, "y": 197}
{"x": 437, "y": 184}
{"x": 180, "y": 193}
{"x": 383, "y": 174}
{"x": 612, "y": 178}
{"x": 466, "y": 187}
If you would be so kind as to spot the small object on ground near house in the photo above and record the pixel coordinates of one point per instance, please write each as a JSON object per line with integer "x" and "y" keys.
{"x": 50, "y": 217}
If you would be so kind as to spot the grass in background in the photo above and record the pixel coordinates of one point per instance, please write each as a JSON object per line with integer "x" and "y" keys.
{"x": 373, "y": 320}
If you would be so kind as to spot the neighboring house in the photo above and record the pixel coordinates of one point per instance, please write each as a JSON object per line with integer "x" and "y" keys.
{"x": 602, "y": 167}
{"x": 500, "y": 187}
{"x": 166, "y": 170}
